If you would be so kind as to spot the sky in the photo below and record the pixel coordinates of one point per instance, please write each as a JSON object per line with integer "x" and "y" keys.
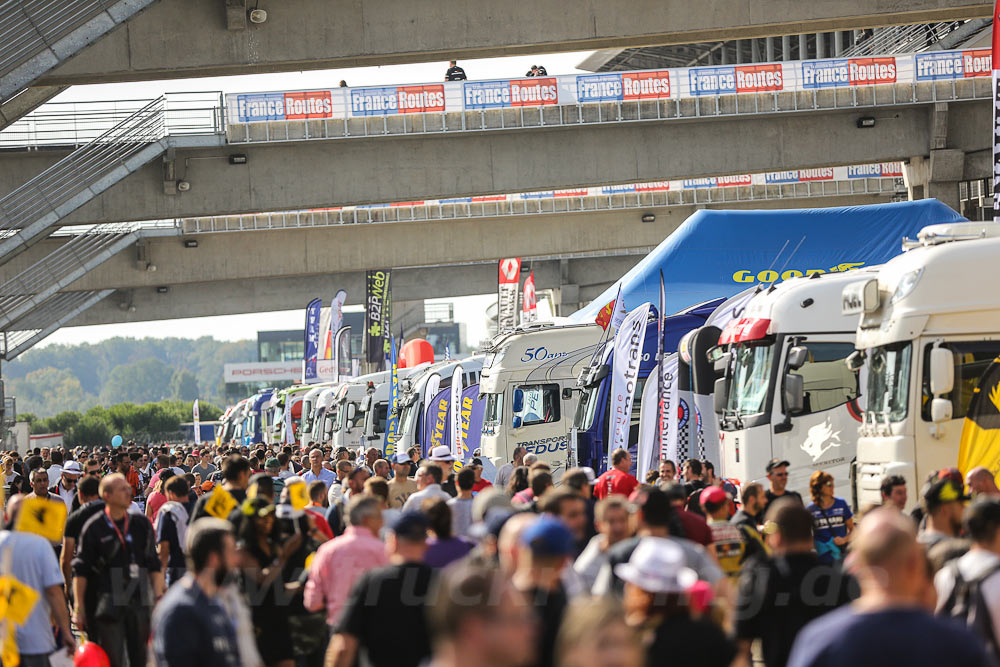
{"x": 469, "y": 310}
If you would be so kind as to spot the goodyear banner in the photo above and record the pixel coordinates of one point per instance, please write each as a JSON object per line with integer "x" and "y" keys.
{"x": 980, "y": 442}
{"x": 719, "y": 253}
{"x": 309, "y": 373}
{"x": 392, "y": 419}
{"x": 529, "y": 301}
{"x": 436, "y": 431}
{"x": 508, "y": 279}
{"x": 457, "y": 450}
{"x": 635, "y": 87}
{"x": 437, "y": 422}
{"x": 377, "y": 320}
{"x": 625, "y": 375}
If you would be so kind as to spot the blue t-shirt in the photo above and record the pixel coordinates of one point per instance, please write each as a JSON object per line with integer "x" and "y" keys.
{"x": 191, "y": 629}
{"x": 830, "y": 522}
{"x": 900, "y": 636}
{"x": 34, "y": 564}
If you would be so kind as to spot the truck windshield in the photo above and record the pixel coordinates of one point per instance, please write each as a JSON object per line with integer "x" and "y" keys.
{"x": 972, "y": 358}
{"x": 889, "y": 381}
{"x": 827, "y": 380}
{"x": 751, "y": 376}
{"x": 381, "y": 416}
{"x": 407, "y": 416}
{"x": 492, "y": 416}
{"x": 586, "y": 408}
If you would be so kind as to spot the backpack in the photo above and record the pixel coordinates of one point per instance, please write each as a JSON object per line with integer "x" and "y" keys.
{"x": 966, "y": 604}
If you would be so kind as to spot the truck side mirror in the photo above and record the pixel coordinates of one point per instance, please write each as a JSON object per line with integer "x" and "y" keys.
{"x": 942, "y": 371}
{"x": 719, "y": 397}
{"x": 855, "y": 361}
{"x": 366, "y": 403}
{"x": 797, "y": 357}
{"x": 327, "y": 426}
{"x": 518, "y": 404}
{"x": 940, "y": 410}
{"x": 567, "y": 393}
{"x": 794, "y": 393}
{"x": 516, "y": 422}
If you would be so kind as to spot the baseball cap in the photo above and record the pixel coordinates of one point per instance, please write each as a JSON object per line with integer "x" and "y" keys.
{"x": 657, "y": 566}
{"x": 73, "y": 468}
{"x": 402, "y": 457}
{"x": 943, "y": 486}
{"x": 197, "y": 452}
{"x": 548, "y": 537}
{"x": 589, "y": 472}
{"x": 272, "y": 463}
{"x": 411, "y": 526}
{"x": 776, "y": 463}
{"x": 441, "y": 453}
{"x": 207, "y": 486}
{"x": 713, "y": 495}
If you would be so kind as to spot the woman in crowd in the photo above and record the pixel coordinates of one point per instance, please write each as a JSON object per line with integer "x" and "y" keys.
{"x": 518, "y": 481}
{"x": 833, "y": 521}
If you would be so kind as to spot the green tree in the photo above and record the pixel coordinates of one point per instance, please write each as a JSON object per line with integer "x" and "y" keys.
{"x": 47, "y": 390}
{"x": 184, "y": 385}
{"x": 141, "y": 381}
{"x": 91, "y": 431}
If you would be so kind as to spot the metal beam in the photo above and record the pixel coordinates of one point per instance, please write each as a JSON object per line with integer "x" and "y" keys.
{"x": 361, "y": 171}
{"x": 190, "y": 38}
{"x": 71, "y": 306}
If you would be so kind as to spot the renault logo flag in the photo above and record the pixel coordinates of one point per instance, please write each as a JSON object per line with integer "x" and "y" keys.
{"x": 508, "y": 280}
{"x": 980, "y": 443}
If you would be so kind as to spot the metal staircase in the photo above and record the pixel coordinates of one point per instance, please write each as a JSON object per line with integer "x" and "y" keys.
{"x": 28, "y": 212}
{"x": 902, "y": 39}
{"x": 38, "y": 35}
{"x": 50, "y": 314}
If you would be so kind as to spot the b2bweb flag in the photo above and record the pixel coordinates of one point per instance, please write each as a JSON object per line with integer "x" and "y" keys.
{"x": 529, "y": 301}
{"x": 377, "y": 323}
{"x": 507, "y": 283}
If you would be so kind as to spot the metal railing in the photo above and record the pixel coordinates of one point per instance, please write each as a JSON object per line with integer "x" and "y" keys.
{"x": 471, "y": 210}
{"x": 65, "y": 179}
{"x": 70, "y": 124}
{"x": 901, "y": 39}
{"x": 621, "y": 111}
{"x": 49, "y": 316}
{"x": 30, "y": 26}
{"x": 57, "y": 270}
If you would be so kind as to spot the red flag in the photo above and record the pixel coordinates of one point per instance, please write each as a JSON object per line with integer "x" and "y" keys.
{"x": 529, "y": 302}
{"x": 604, "y": 315}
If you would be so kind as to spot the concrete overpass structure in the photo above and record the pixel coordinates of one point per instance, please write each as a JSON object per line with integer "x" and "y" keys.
{"x": 190, "y": 38}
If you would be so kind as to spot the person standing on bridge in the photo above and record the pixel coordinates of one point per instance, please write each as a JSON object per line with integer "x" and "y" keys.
{"x": 454, "y": 73}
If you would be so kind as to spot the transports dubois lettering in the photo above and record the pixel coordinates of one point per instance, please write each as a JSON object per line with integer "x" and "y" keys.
{"x": 545, "y": 445}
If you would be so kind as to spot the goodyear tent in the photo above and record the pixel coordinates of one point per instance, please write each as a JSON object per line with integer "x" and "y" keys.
{"x": 720, "y": 253}
{"x": 980, "y": 443}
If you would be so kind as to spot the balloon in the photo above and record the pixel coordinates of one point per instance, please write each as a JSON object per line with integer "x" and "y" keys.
{"x": 89, "y": 654}
{"x": 116, "y": 441}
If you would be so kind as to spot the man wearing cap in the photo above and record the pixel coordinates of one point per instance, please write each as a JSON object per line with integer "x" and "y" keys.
{"x": 273, "y": 468}
{"x": 544, "y": 549}
{"x": 777, "y": 475}
{"x": 730, "y": 541}
{"x": 617, "y": 480}
{"x": 656, "y": 576}
{"x": 943, "y": 502}
{"x": 66, "y": 488}
{"x": 385, "y": 613}
{"x": 441, "y": 456}
{"x": 401, "y": 486}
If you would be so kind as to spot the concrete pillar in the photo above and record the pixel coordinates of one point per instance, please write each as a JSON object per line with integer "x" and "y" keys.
{"x": 739, "y": 51}
{"x": 936, "y": 176}
{"x": 820, "y": 45}
{"x": 803, "y": 47}
{"x": 755, "y": 50}
{"x": 838, "y": 43}
{"x": 725, "y": 53}
{"x": 786, "y": 47}
{"x": 769, "y": 49}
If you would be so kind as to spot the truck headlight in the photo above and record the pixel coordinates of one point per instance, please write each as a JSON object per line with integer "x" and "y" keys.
{"x": 906, "y": 284}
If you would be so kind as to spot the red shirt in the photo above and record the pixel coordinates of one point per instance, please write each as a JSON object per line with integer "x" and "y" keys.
{"x": 480, "y": 485}
{"x": 614, "y": 482}
{"x": 696, "y": 528}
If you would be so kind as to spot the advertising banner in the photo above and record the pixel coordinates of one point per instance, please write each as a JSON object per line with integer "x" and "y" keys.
{"x": 197, "y": 422}
{"x": 995, "y": 67}
{"x": 342, "y": 355}
{"x": 625, "y": 375}
{"x": 508, "y": 280}
{"x": 457, "y": 451}
{"x": 377, "y": 322}
{"x": 392, "y": 418}
{"x": 309, "y": 374}
{"x": 436, "y": 424}
{"x": 337, "y": 313}
{"x": 529, "y": 301}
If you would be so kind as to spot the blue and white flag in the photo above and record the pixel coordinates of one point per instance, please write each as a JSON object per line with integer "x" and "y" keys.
{"x": 309, "y": 371}
{"x": 392, "y": 420}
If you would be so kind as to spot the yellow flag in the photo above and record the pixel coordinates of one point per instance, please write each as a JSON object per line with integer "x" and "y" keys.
{"x": 299, "y": 495}
{"x": 19, "y": 599}
{"x": 44, "y": 517}
{"x": 9, "y": 655}
{"x": 980, "y": 441}
{"x": 220, "y": 503}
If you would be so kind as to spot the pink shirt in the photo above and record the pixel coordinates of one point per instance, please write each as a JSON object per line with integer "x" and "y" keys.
{"x": 153, "y": 503}
{"x": 337, "y": 565}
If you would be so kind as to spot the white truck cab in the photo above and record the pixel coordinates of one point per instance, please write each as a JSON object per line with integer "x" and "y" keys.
{"x": 530, "y": 388}
{"x": 929, "y": 327}
{"x": 377, "y": 408}
{"x": 787, "y": 392}
{"x": 413, "y": 392}
{"x": 345, "y": 420}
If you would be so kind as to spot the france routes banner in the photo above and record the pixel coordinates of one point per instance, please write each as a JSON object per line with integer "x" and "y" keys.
{"x": 309, "y": 373}
{"x": 509, "y": 277}
{"x": 625, "y": 375}
{"x": 377, "y": 322}
{"x": 529, "y": 301}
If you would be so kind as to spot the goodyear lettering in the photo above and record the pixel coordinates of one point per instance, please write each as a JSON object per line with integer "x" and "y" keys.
{"x": 770, "y": 275}
{"x": 440, "y": 423}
